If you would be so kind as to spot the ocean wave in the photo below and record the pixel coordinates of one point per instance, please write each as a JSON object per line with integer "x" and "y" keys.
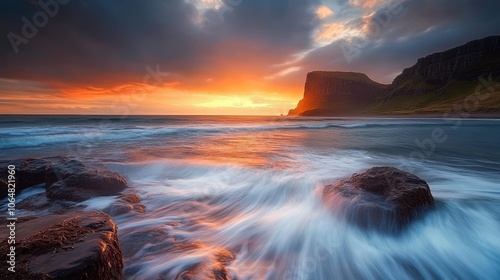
{"x": 39, "y": 136}
{"x": 275, "y": 221}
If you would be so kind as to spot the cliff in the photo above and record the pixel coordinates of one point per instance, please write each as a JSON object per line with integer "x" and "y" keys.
{"x": 464, "y": 63}
{"x": 432, "y": 86}
{"x": 337, "y": 93}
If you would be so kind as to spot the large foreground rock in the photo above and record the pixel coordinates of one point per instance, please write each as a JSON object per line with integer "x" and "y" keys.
{"x": 382, "y": 198}
{"x": 79, "y": 245}
{"x": 64, "y": 178}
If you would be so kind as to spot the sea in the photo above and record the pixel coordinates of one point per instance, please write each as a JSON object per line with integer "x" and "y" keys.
{"x": 236, "y": 197}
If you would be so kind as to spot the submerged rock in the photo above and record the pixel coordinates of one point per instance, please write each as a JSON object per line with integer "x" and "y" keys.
{"x": 79, "y": 245}
{"x": 202, "y": 261}
{"x": 35, "y": 202}
{"x": 382, "y": 198}
{"x": 125, "y": 204}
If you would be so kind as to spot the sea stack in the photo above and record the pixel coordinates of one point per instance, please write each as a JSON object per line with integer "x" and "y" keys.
{"x": 337, "y": 93}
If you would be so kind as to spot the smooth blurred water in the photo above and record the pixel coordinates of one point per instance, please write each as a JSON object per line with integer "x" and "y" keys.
{"x": 251, "y": 187}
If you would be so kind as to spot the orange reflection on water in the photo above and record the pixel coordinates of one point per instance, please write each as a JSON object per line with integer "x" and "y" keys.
{"x": 257, "y": 149}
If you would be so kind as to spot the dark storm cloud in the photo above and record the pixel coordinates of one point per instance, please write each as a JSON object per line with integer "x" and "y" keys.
{"x": 287, "y": 24}
{"x": 108, "y": 43}
{"x": 101, "y": 43}
{"x": 420, "y": 28}
{"x": 98, "y": 39}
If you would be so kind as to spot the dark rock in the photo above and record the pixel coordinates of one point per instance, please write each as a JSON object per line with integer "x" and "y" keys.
{"x": 80, "y": 245}
{"x": 86, "y": 183}
{"x": 42, "y": 205}
{"x": 383, "y": 198}
{"x": 64, "y": 178}
{"x": 28, "y": 172}
{"x": 62, "y": 170}
{"x": 119, "y": 208}
{"x": 72, "y": 180}
{"x": 133, "y": 241}
{"x": 125, "y": 204}
{"x": 34, "y": 203}
{"x": 131, "y": 198}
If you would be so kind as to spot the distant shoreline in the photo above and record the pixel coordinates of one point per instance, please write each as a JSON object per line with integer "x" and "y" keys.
{"x": 413, "y": 116}
{"x": 409, "y": 116}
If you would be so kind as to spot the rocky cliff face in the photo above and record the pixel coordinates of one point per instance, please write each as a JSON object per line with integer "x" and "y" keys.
{"x": 432, "y": 85}
{"x": 464, "y": 63}
{"x": 335, "y": 93}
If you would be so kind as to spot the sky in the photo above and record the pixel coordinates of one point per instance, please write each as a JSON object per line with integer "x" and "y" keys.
{"x": 196, "y": 57}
